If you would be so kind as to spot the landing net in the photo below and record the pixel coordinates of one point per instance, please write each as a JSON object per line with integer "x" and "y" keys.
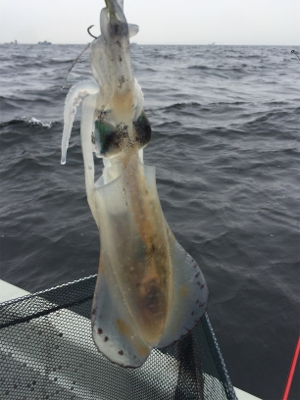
{"x": 47, "y": 352}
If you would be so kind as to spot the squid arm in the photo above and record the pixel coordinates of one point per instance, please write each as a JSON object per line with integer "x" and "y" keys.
{"x": 149, "y": 291}
{"x": 75, "y": 96}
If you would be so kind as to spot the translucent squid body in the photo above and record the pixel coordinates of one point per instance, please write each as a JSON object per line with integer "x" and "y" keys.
{"x": 149, "y": 291}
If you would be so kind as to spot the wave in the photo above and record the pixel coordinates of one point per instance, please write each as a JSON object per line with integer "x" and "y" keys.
{"x": 32, "y": 121}
{"x": 9, "y": 104}
{"x": 69, "y": 61}
{"x": 215, "y": 107}
{"x": 198, "y": 67}
{"x": 182, "y": 105}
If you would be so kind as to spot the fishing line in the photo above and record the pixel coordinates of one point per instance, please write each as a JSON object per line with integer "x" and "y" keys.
{"x": 75, "y": 61}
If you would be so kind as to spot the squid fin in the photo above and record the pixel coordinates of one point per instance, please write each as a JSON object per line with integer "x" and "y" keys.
{"x": 113, "y": 328}
{"x": 190, "y": 294}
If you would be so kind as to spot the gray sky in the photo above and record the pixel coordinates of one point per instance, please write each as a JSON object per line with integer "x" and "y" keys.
{"x": 249, "y": 22}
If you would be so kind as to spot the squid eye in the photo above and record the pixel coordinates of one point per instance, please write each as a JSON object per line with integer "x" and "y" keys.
{"x": 104, "y": 133}
{"x": 143, "y": 130}
{"x": 108, "y": 138}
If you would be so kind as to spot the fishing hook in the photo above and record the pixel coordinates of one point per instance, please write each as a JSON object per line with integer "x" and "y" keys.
{"x": 88, "y": 29}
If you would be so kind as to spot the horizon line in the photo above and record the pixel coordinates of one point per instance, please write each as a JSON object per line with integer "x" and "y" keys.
{"x": 152, "y": 44}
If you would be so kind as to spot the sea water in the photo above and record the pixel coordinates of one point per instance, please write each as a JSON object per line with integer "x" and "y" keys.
{"x": 225, "y": 131}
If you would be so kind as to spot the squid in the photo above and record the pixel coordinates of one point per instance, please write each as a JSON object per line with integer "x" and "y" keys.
{"x": 149, "y": 291}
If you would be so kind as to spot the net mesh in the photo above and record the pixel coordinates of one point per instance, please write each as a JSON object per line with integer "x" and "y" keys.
{"x": 47, "y": 352}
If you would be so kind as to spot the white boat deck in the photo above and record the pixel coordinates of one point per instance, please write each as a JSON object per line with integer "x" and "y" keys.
{"x": 10, "y": 292}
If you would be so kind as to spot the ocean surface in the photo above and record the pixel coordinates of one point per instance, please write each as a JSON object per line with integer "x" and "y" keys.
{"x": 225, "y": 141}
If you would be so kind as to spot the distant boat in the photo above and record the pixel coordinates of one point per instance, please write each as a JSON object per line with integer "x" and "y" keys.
{"x": 11, "y": 43}
{"x": 45, "y": 43}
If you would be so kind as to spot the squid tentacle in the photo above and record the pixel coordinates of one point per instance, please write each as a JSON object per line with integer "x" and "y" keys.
{"x": 75, "y": 96}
